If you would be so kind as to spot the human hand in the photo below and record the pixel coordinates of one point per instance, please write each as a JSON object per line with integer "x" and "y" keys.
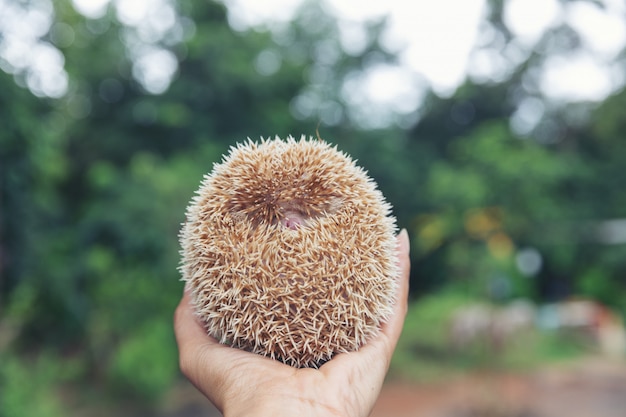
{"x": 241, "y": 383}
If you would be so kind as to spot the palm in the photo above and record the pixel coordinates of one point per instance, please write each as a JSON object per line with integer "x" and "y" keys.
{"x": 242, "y": 383}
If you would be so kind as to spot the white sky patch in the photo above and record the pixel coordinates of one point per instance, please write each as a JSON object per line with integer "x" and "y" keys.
{"x": 149, "y": 22}
{"x": 353, "y": 37}
{"x": 155, "y": 68}
{"x": 358, "y": 10}
{"x": 47, "y": 76}
{"x": 529, "y": 19}
{"x": 132, "y": 13}
{"x": 488, "y": 65}
{"x": 381, "y": 92}
{"x": 576, "y": 77}
{"x": 603, "y": 32}
{"x": 14, "y": 53}
{"x": 93, "y": 9}
{"x": 617, "y": 6}
{"x": 436, "y": 41}
{"x": 433, "y": 39}
{"x": 438, "y": 35}
{"x": 29, "y": 22}
{"x": 245, "y": 14}
{"x": 23, "y": 52}
{"x": 40, "y": 64}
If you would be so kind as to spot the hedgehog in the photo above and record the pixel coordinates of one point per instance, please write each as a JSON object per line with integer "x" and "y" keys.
{"x": 288, "y": 250}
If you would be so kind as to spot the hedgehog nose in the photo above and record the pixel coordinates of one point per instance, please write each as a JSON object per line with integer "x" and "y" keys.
{"x": 292, "y": 220}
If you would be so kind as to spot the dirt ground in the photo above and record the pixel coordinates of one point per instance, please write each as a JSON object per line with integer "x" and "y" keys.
{"x": 590, "y": 388}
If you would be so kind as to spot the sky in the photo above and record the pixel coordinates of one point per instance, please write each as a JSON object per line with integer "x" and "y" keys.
{"x": 435, "y": 42}
{"x": 439, "y": 36}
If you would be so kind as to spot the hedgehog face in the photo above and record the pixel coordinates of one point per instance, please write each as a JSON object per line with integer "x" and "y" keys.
{"x": 293, "y": 219}
{"x": 289, "y": 250}
{"x": 285, "y": 194}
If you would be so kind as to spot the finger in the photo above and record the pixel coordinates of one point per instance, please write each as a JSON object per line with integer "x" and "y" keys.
{"x": 191, "y": 337}
{"x": 189, "y": 332}
{"x": 196, "y": 349}
{"x": 393, "y": 327}
{"x": 213, "y": 368}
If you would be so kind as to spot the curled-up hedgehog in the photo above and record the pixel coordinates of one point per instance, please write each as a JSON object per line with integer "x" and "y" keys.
{"x": 289, "y": 251}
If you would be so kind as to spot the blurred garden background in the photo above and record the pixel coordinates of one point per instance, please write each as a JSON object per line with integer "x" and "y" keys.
{"x": 496, "y": 129}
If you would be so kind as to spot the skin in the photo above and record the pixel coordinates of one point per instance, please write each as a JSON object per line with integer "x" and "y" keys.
{"x": 242, "y": 384}
{"x": 292, "y": 220}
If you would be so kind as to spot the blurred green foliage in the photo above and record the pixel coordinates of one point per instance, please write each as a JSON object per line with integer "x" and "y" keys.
{"x": 427, "y": 351}
{"x": 29, "y": 390}
{"x": 94, "y": 186}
